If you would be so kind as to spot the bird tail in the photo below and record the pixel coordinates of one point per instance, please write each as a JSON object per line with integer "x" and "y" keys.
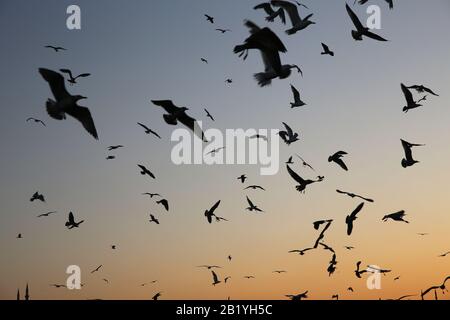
{"x": 53, "y": 110}
{"x": 263, "y": 78}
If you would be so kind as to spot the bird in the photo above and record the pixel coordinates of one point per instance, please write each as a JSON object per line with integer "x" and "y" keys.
{"x": 271, "y": 14}
{"x": 209, "y": 115}
{"x": 444, "y": 254}
{"x": 110, "y": 148}
{"x": 229, "y": 80}
{"x": 297, "y": 22}
{"x": 145, "y": 171}
{"x": 37, "y": 196}
{"x": 226, "y": 279}
{"x": 164, "y": 203}
{"x": 318, "y": 223}
{"x": 390, "y": 2}
{"x": 110, "y": 157}
{"x": 326, "y": 247}
{"x": 209, "y": 214}
{"x": 66, "y": 103}
{"x": 254, "y": 187}
{"x": 300, "y": 251}
{"x": 215, "y": 278}
{"x": 359, "y": 272}
{"x": 56, "y": 48}
{"x": 113, "y": 247}
{"x": 175, "y": 114}
{"x": 96, "y": 269}
{"x": 152, "y": 194}
{"x": 218, "y": 219}
{"x": 72, "y": 80}
{"x": 304, "y": 163}
{"x": 298, "y": 297}
{"x": 258, "y": 136}
{"x": 322, "y": 235}
{"x": 279, "y": 271}
{"x": 335, "y": 296}
{"x": 214, "y": 151}
{"x": 249, "y": 277}
{"x": 397, "y": 278}
{"x": 289, "y": 161}
{"x": 19, "y": 236}
{"x": 302, "y": 183}
{"x": 374, "y": 269}
{"x": 288, "y": 135}
{"x": 148, "y": 130}
{"x": 156, "y": 296}
{"x": 252, "y": 207}
{"x": 223, "y": 30}
{"x": 422, "y": 234}
{"x": 397, "y": 216}
{"x": 360, "y": 29}
{"x": 209, "y": 267}
{"x": 58, "y": 285}
{"x": 349, "y": 247}
{"x": 70, "y": 224}
{"x": 352, "y": 217}
{"x": 46, "y": 214}
{"x": 204, "y": 60}
{"x": 350, "y": 289}
{"x": 297, "y": 100}
{"x": 326, "y": 50}
{"x": 408, "y": 160}
{"x": 422, "y": 88}
{"x": 106, "y": 280}
{"x": 410, "y": 103}
{"x": 36, "y": 121}
{"x": 353, "y": 195}
{"x": 153, "y": 219}
{"x": 209, "y": 18}
{"x": 337, "y": 158}
{"x": 242, "y": 177}
{"x": 229, "y": 257}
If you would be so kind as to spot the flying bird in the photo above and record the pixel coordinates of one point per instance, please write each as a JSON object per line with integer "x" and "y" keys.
{"x": 46, "y": 214}
{"x": 271, "y": 14}
{"x": 96, "y": 269}
{"x": 110, "y": 157}
{"x": 249, "y": 277}
{"x": 304, "y": 163}
{"x": 58, "y": 285}
{"x": 279, "y": 271}
{"x": 106, "y": 280}
{"x": 337, "y": 158}
{"x": 297, "y": 22}
{"x": 397, "y": 216}
{"x": 229, "y": 257}
{"x": 444, "y": 254}
{"x": 353, "y": 195}
{"x": 300, "y": 251}
{"x": 19, "y": 236}
{"x": 145, "y": 171}
{"x": 209, "y": 18}
{"x": 148, "y": 130}
{"x": 288, "y": 135}
{"x": 209, "y": 214}
{"x": 410, "y": 103}
{"x": 360, "y": 29}
{"x": 390, "y": 2}
{"x": 318, "y": 223}
{"x": 153, "y": 219}
{"x": 297, "y": 100}
{"x": 229, "y": 80}
{"x": 209, "y": 267}
{"x": 37, "y": 196}
{"x": 242, "y": 177}
{"x": 350, "y": 289}
{"x": 358, "y": 271}
{"x": 164, "y": 203}
{"x": 252, "y": 207}
{"x": 215, "y": 278}
{"x": 223, "y": 30}
{"x": 352, "y": 217}
{"x": 204, "y": 60}
{"x": 302, "y": 183}
{"x": 298, "y": 297}
{"x": 56, "y": 48}
{"x": 214, "y": 151}
{"x": 422, "y": 88}
{"x": 254, "y": 187}
{"x": 326, "y": 50}
{"x": 66, "y": 103}
{"x": 110, "y": 148}
{"x": 70, "y": 224}
{"x": 349, "y": 247}
{"x": 152, "y": 194}
{"x": 156, "y": 296}
{"x": 258, "y": 136}
{"x": 289, "y": 161}
{"x": 408, "y": 160}
{"x": 36, "y": 121}
{"x": 113, "y": 247}
{"x": 72, "y": 80}
{"x": 209, "y": 115}
{"x": 226, "y": 279}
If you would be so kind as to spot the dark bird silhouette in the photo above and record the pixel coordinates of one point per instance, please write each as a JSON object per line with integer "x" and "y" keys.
{"x": 252, "y": 207}
{"x": 297, "y": 100}
{"x": 70, "y": 224}
{"x": 322, "y": 235}
{"x": 110, "y": 157}
{"x": 258, "y": 136}
{"x": 300, "y": 251}
{"x": 304, "y": 163}
{"x": 19, "y": 236}
{"x": 218, "y": 219}
{"x": 144, "y": 171}
{"x": 72, "y": 80}
{"x": 215, "y": 278}
{"x": 360, "y": 29}
{"x": 271, "y": 14}
{"x": 289, "y": 161}
{"x": 209, "y": 267}
{"x": 249, "y": 277}
{"x": 164, "y": 203}
{"x": 318, "y": 223}
{"x": 352, "y": 217}
{"x": 326, "y": 50}
{"x": 397, "y": 278}
{"x": 46, "y": 214}
{"x": 106, "y": 280}
{"x": 152, "y": 194}
{"x": 153, "y": 219}
{"x": 226, "y": 279}
{"x": 229, "y": 257}
{"x": 288, "y": 135}
{"x": 410, "y": 102}
{"x": 209, "y": 115}
{"x": 422, "y": 88}
{"x": 350, "y": 289}
{"x": 36, "y": 121}
{"x": 302, "y": 183}
{"x": 242, "y": 177}
{"x": 353, "y": 195}
{"x": 148, "y": 130}
{"x": 113, "y": 247}
{"x": 349, "y": 247}
{"x": 58, "y": 285}
{"x": 66, "y": 103}
{"x": 254, "y": 187}
{"x": 397, "y": 216}
{"x": 209, "y": 18}
{"x": 229, "y": 80}
{"x": 156, "y": 296}
{"x": 37, "y": 196}
{"x": 209, "y": 214}
{"x": 422, "y": 234}
{"x": 223, "y": 30}
{"x": 279, "y": 271}
{"x": 204, "y": 60}
{"x": 337, "y": 158}
{"x": 358, "y": 271}
{"x": 96, "y": 269}
{"x": 335, "y": 296}
{"x": 326, "y": 247}
{"x": 408, "y": 160}
{"x": 390, "y": 2}
{"x": 56, "y": 48}
{"x": 444, "y": 254}
{"x": 298, "y": 297}
{"x": 297, "y": 22}
{"x": 175, "y": 114}
{"x": 110, "y": 148}
{"x": 214, "y": 151}
{"x": 374, "y": 269}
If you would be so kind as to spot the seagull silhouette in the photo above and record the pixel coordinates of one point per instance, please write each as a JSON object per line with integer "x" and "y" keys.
{"x": 110, "y": 148}
{"x": 148, "y": 130}
{"x": 337, "y": 158}
{"x": 353, "y": 195}
{"x": 326, "y": 50}
{"x": 360, "y": 29}
{"x": 298, "y": 297}
{"x": 249, "y": 277}
{"x": 408, "y": 160}
{"x": 444, "y": 254}
{"x": 289, "y": 161}
{"x": 252, "y": 207}
{"x": 288, "y": 135}
{"x": 297, "y": 22}
{"x": 156, "y": 296}
{"x": 70, "y": 224}
{"x": 242, "y": 177}
{"x": 46, "y": 214}
{"x": 215, "y": 278}
{"x": 300, "y": 251}
{"x": 422, "y": 88}
{"x": 209, "y": 18}
{"x": 72, "y": 80}
{"x": 66, "y": 103}
{"x": 19, "y": 236}
{"x": 204, "y": 60}
{"x": 110, "y": 157}
{"x": 352, "y": 217}
{"x": 36, "y": 121}
{"x": 164, "y": 203}
{"x": 153, "y": 219}
{"x": 302, "y": 183}
{"x": 271, "y": 14}
{"x": 152, "y": 194}
{"x": 304, "y": 163}
{"x": 297, "y": 100}
{"x": 258, "y": 136}
{"x": 397, "y": 216}
{"x": 209, "y": 267}
{"x": 209, "y": 214}
{"x": 209, "y": 115}
{"x": 58, "y": 285}
{"x": 37, "y": 196}
{"x": 358, "y": 271}
{"x": 229, "y": 80}
{"x": 279, "y": 271}
{"x": 410, "y": 103}
{"x": 223, "y": 30}
{"x": 145, "y": 171}
{"x": 349, "y": 247}
{"x": 96, "y": 269}
{"x": 56, "y": 48}
{"x": 254, "y": 187}
{"x": 226, "y": 279}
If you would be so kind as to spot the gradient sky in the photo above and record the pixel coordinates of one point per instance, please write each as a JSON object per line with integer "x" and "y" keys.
{"x": 142, "y": 50}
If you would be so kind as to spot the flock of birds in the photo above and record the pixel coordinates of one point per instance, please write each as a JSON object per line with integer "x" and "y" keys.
{"x": 270, "y": 46}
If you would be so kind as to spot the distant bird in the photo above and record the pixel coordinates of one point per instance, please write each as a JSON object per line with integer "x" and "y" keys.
{"x": 226, "y": 279}
{"x": 408, "y": 160}
{"x": 335, "y": 296}
{"x": 350, "y": 289}
{"x": 145, "y": 171}
{"x": 229, "y": 80}
{"x": 422, "y": 234}
{"x": 58, "y": 285}
{"x": 209, "y": 214}
{"x": 300, "y": 251}
{"x": 254, "y": 187}
{"x": 36, "y": 121}
{"x": 397, "y": 278}
{"x": 96, "y": 269}
{"x": 326, "y": 50}
{"x": 422, "y": 88}
{"x": 56, "y": 48}
{"x": 209, "y": 115}
{"x": 360, "y": 29}
{"x": 156, "y": 296}
{"x": 164, "y": 203}
{"x": 106, "y": 280}
{"x": 70, "y": 224}
{"x": 66, "y": 103}
{"x": 19, "y": 236}
{"x": 279, "y": 271}
{"x": 410, "y": 102}
{"x": 304, "y": 163}
{"x": 110, "y": 157}
{"x": 110, "y": 148}
{"x": 242, "y": 177}
{"x": 214, "y": 151}
{"x": 271, "y": 14}
{"x": 46, "y": 214}
{"x": 249, "y": 277}
{"x": 113, "y": 247}
{"x": 302, "y": 183}
{"x": 258, "y": 136}
{"x": 223, "y": 30}
{"x": 218, "y": 219}
{"x": 397, "y": 216}
{"x": 209, "y": 267}
{"x": 175, "y": 114}
{"x": 229, "y": 258}
{"x": 72, "y": 80}
{"x": 326, "y": 247}
{"x": 215, "y": 278}
{"x": 353, "y": 195}
{"x": 358, "y": 271}
{"x": 148, "y": 130}
{"x": 297, "y": 22}
{"x": 289, "y": 161}
{"x": 390, "y": 2}
{"x": 153, "y": 219}
{"x": 152, "y": 194}
{"x": 288, "y": 135}
{"x": 352, "y": 217}
{"x": 204, "y": 60}
{"x": 209, "y": 18}
{"x": 252, "y": 207}
{"x": 337, "y": 158}
{"x": 444, "y": 254}
{"x": 374, "y": 269}
{"x": 349, "y": 247}
{"x": 297, "y": 100}
{"x": 299, "y": 296}
{"x": 37, "y": 196}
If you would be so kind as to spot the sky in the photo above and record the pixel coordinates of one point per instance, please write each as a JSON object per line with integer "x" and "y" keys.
{"x": 139, "y": 51}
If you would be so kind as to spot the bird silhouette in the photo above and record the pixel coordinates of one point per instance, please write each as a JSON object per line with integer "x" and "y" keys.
{"x": 422, "y": 88}
{"x": 249, "y": 277}
{"x": 349, "y": 247}
{"x": 410, "y": 103}
{"x": 106, "y": 280}
{"x": 252, "y": 207}
{"x": 223, "y": 30}
{"x": 204, "y": 60}
{"x": 110, "y": 148}
{"x": 156, "y": 296}
{"x": 258, "y": 136}
{"x": 390, "y": 2}
{"x": 19, "y": 236}
{"x": 352, "y": 217}
{"x": 408, "y": 160}
{"x": 36, "y": 121}
{"x": 279, "y": 271}
{"x": 37, "y": 196}
{"x": 271, "y": 14}
{"x": 300, "y": 251}
{"x": 66, "y": 103}
{"x": 289, "y": 161}
{"x": 337, "y": 158}
{"x": 358, "y": 271}
{"x": 254, "y": 187}
{"x": 153, "y": 219}
{"x": 396, "y": 216}
{"x": 46, "y": 214}
{"x": 215, "y": 278}
{"x": 360, "y": 29}
{"x": 148, "y": 130}
{"x": 298, "y": 297}
{"x": 209, "y": 18}
{"x": 152, "y": 194}
{"x": 58, "y": 285}
{"x": 226, "y": 279}
{"x": 302, "y": 183}
{"x": 229, "y": 257}
{"x": 96, "y": 269}
{"x": 350, "y": 289}
{"x": 164, "y": 203}
{"x": 110, "y": 157}
{"x": 70, "y": 224}
{"x": 297, "y": 22}
{"x": 288, "y": 135}
{"x": 144, "y": 171}
{"x": 113, "y": 247}
{"x": 353, "y": 195}
{"x": 242, "y": 177}
{"x": 326, "y": 50}
{"x": 209, "y": 267}
{"x": 72, "y": 80}
{"x": 56, "y": 48}
{"x": 229, "y": 80}
{"x": 444, "y": 254}
{"x": 209, "y": 214}
{"x": 335, "y": 296}
{"x": 297, "y": 100}
{"x": 318, "y": 223}
{"x": 209, "y": 115}
{"x": 304, "y": 163}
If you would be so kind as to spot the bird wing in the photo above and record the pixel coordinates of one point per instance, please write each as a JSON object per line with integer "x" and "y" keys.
{"x": 271, "y": 60}
{"x": 291, "y": 10}
{"x": 295, "y": 93}
{"x": 69, "y": 72}
{"x": 357, "y": 210}
{"x": 71, "y": 218}
{"x": 349, "y": 225}
{"x": 250, "y": 203}
{"x": 288, "y": 129}
{"x": 354, "y": 18}
{"x": 166, "y": 105}
{"x": 192, "y": 124}
{"x": 408, "y": 95}
{"x": 56, "y": 82}
{"x": 341, "y": 163}
{"x": 407, "y": 148}
{"x": 143, "y": 126}
{"x": 214, "y": 207}
{"x": 83, "y": 75}
{"x": 83, "y": 115}
{"x": 295, "y": 176}
{"x": 215, "y": 278}
{"x": 154, "y": 133}
{"x": 266, "y": 7}
{"x": 429, "y": 91}
{"x": 374, "y": 36}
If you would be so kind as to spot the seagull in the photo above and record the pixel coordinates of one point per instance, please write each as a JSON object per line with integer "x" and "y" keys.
{"x": 317, "y": 224}
{"x": 110, "y": 148}
{"x": 375, "y": 270}
{"x": 337, "y": 159}
{"x": 72, "y": 80}
{"x": 397, "y": 278}
{"x": 350, "y": 289}
{"x": 254, "y": 187}
{"x": 66, "y": 103}
{"x": 209, "y": 214}
{"x": 422, "y": 88}
{"x": 352, "y": 217}
{"x": 96, "y": 269}
{"x": 353, "y": 195}
{"x": 271, "y": 14}
{"x": 408, "y": 160}
{"x": 242, "y": 177}
{"x": 304, "y": 163}
{"x": 326, "y": 50}
{"x": 164, "y": 203}
{"x": 113, "y": 247}
{"x": 422, "y": 234}
{"x": 279, "y": 271}
{"x": 215, "y": 278}
{"x": 110, "y": 157}
{"x": 106, "y": 280}
{"x": 204, "y": 60}
{"x": 288, "y": 135}
{"x": 223, "y": 30}
{"x": 349, "y": 247}
{"x": 175, "y": 114}
{"x": 298, "y": 297}
{"x": 229, "y": 80}
{"x": 335, "y": 296}
{"x": 152, "y": 194}
{"x": 397, "y": 216}
{"x": 249, "y": 277}
{"x": 214, "y": 151}
{"x": 36, "y": 121}
{"x": 360, "y": 29}
{"x": 300, "y": 251}
{"x": 297, "y": 100}
{"x": 209, "y": 115}
{"x": 390, "y": 2}
{"x": 252, "y": 207}
{"x": 226, "y": 279}
{"x": 218, "y": 219}
{"x": 37, "y": 196}
{"x": 209, "y": 267}
{"x": 358, "y": 272}
{"x": 289, "y": 161}
{"x": 145, "y": 171}
{"x": 209, "y": 18}
{"x": 19, "y": 236}
{"x": 258, "y": 136}
{"x": 156, "y": 296}
{"x": 71, "y": 223}
{"x": 410, "y": 103}
{"x": 58, "y": 285}
{"x": 297, "y": 22}
{"x": 444, "y": 254}
{"x": 148, "y": 130}
{"x": 153, "y": 219}
{"x": 302, "y": 183}
{"x": 229, "y": 257}
{"x": 57, "y": 49}
{"x": 46, "y": 214}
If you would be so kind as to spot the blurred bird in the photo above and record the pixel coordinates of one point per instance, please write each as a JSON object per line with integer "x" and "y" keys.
{"x": 56, "y": 48}
{"x": 408, "y": 160}
{"x": 326, "y": 50}
{"x": 353, "y": 195}
{"x": 46, "y": 214}
{"x": 397, "y": 216}
{"x": 145, "y": 171}
{"x": 164, "y": 203}
{"x": 36, "y": 121}
{"x": 148, "y": 130}
{"x": 70, "y": 224}
{"x": 360, "y": 29}
{"x": 352, "y": 217}
{"x": 153, "y": 219}
{"x": 215, "y": 278}
{"x": 299, "y": 296}
{"x": 297, "y": 22}
{"x": 37, "y": 196}
{"x": 288, "y": 135}
{"x": 252, "y": 207}
{"x": 209, "y": 18}
{"x": 72, "y": 80}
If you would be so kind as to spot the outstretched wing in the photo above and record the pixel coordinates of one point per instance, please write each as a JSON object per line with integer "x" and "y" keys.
{"x": 56, "y": 82}
{"x": 407, "y": 148}
{"x": 71, "y": 218}
{"x": 166, "y": 105}
{"x": 295, "y": 93}
{"x": 214, "y": 207}
{"x": 291, "y": 10}
{"x": 192, "y": 124}
{"x": 83, "y": 115}
{"x": 357, "y": 210}
{"x": 295, "y": 176}
{"x": 354, "y": 17}
{"x": 374, "y": 36}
